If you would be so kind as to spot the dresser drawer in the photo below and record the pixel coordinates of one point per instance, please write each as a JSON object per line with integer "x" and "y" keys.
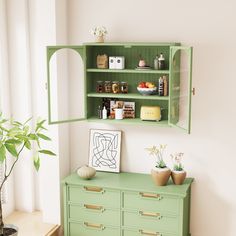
{"x": 150, "y": 220}
{"x": 94, "y": 196}
{"x": 92, "y": 229}
{"x": 144, "y": 232}
{"x": 151, "y": 202}
{"x": 94, "y": 213}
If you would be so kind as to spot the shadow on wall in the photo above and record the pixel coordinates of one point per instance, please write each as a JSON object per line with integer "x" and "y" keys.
{"x": 210, "y": 214}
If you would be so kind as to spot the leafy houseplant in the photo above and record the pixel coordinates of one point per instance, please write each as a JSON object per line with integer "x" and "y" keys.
{"x": 178, "y": 174}
{"x": 161, "y": 172}
{"x": 99, "y": 32}
{"x": 14, "y": 138}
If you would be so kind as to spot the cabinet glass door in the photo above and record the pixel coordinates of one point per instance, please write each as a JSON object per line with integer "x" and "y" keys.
{"x": 180, "y": 87}
{"x": 66, "y": 83}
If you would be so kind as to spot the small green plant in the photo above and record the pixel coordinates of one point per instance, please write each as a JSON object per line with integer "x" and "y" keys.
{"x": 14, "y": 138}
{"x": 177, "y": 161}
{"x": 158, "y": 153}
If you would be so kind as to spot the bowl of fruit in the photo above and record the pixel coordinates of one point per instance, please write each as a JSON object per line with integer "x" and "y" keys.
{"x": 147, "y": 88}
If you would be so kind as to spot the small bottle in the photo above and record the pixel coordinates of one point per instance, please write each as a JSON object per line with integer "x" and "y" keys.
{"x": 156, "y": 64}
{"x": 124, "y": 87}
{"x": 115, "y": 87}
{"x": 161, "y": 62}
{"x": 99, "y": 112}
{"x": 161, "y": 87}
{"x": 104, "y": 113}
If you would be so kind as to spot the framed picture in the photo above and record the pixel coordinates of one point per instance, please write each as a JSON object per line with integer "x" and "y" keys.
{"x": 104, "y": 150}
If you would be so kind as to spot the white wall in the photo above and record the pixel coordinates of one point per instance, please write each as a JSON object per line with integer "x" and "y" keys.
{"x": 208, "y": 26}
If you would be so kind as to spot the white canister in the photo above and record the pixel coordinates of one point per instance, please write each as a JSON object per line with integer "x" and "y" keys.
{"x": 119, "y": 113}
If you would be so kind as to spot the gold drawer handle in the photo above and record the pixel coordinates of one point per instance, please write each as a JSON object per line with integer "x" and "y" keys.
{"x": 151, "y": 214}
{"x": 150, "y": 195}
{"x": 92, "y": 225}
{"x": 93, "y": 189}
{"x": 93, "y": 207}
{"x": 144, "y": 232}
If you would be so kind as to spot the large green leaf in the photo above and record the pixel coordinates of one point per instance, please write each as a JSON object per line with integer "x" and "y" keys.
{"x": 12, "y": 149}
{"x": 28, "y": 145}
{"x": 2, "y": 153}
{"x": 40, "y": 125}
{"x": 33, "y": 137}
{"x": 47, "y": 152}
{"x": 36, "y": 162}
{"x": 42, "y": 136}
{"x": 14, "y": 141}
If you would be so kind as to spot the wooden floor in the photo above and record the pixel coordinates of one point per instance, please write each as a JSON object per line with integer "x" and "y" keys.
{"x": 31, "y": 224}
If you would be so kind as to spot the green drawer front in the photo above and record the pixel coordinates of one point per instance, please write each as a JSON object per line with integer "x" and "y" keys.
{"x": 91, "y": 229}
{"x": 95, "y": 213}
{"x": 150, "y": 201}
{"x": 144, "y": 232}
{"x": 94, "y": 196}
{"x": 150, "y": 220}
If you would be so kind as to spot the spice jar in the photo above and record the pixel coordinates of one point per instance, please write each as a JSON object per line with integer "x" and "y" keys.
{"x": 99, "y": 87}
{"x": 124, "y": 87}
{"x": 115, "y": 87}
{"x": 107, "y": 87}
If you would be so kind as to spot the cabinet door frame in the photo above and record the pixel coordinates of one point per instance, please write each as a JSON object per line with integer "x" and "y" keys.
{"x": 189, "y": 51}
{"x": 80, "y": 49}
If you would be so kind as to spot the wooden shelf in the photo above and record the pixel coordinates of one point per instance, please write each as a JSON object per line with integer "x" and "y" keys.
{"x": 151, "y": 71}
{"x": 128, "y": 96}
{"x": 134, "y": 121}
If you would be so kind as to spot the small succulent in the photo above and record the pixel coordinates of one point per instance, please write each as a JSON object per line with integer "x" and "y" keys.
{"x": 177, "y": 161}
{"x": 158, "y": 153}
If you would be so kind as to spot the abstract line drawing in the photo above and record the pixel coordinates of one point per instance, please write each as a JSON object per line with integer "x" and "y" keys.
{"x": 104, "y": 153}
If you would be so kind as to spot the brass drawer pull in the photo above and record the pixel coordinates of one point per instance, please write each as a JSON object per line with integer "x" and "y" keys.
{"x": 92, "y": 225}
{"x": 150, "y": 195}
{"x": 144, "y": 232}
{"x": 93, "y": 207}
{"x": 93, "y": 189}
{"x": 152, "y": 214}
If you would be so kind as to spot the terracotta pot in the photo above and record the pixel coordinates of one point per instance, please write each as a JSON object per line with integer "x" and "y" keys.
{"x": 178, "y": 177}
{"x": 100, "y": 39}
{"x": 161, "y": 176}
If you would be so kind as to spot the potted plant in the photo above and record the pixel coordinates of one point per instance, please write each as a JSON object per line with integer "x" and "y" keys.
{"x": 14, "y": 138}
{"x": 99, "y": 32}
{"x": 160, "y": 173}
{"x": 178, "y": 174}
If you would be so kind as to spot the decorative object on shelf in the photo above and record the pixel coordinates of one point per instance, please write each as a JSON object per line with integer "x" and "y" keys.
{"x": 104, "y": 150}
{"x": 156, "y": 64}
{"x": 117, "y": 63}
{"x": 160, "y": 173}
{"x": 99, "y": 32}
{"x": 107, "y": 87}
{"x": 178, "y": 173}
{"x": 124, "y": 87}
{"x": 115, "y": 86}
{"x": 150, "y": 113}
{"x": 161, "y": 87}
{"x": 128, "y": 108}
{"x": 86, "y": 172}
{"x": 16, "y": 137}
{"x": 119, "y": 113}
{"x": 165, "y": 85}
{"x": 99, "y": 86}
{"x": 161, "y": 62}
{"x": 146, "y": 88}
{"x": 99, "y": 112}
{"x": 104, "y": 113}
{"x": 102, "y": 61}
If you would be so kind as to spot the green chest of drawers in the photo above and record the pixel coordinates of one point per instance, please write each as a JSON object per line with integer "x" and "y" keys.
{"x": 125, "y": 204}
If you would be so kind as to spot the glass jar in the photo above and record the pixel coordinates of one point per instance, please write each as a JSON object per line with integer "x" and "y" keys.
{"x": 99, "y": 86}
{"x": 124, "y": 87}
{"x": 107, "y": 87}
{"x": 115, "y": 87}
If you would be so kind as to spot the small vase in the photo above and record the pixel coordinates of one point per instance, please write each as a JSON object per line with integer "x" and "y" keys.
{"x": 178, "y": 177}
{"x": 100, "y": 39}
{"x": 160, "y": 176}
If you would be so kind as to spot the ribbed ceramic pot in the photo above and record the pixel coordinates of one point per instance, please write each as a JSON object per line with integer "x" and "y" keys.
{"x": 9, "y": 227}
{"x": 178, "y": 177}
{"x": 160, "y": 176}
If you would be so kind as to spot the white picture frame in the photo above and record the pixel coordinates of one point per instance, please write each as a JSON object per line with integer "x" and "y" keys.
{"x": 105, "y": 150}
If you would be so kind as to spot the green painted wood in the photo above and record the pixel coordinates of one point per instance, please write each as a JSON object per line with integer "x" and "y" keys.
{"x": 130, "y": 182}
{"x": 81, "y": 229}
{"x": 131, "y": 71}
{"x": 162, "y": 223}
{"x": 140, "y": 231}
{"x": 65, "y": 210}
{"x": 127, "y": 96}
{"x": 130, "y": 44}
{"x": 102, "y": 215}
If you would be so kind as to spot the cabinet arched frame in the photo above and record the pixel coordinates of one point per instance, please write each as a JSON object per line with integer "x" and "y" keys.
{"x": 62, "y": 103}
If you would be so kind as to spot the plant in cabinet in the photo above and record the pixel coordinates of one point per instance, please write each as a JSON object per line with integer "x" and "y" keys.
{"x": 160, "y": 173}
{"x": 15, "y": 137}
{"x": 178, "y": 174}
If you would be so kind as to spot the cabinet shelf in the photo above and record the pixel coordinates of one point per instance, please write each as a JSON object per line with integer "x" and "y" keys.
{"x": 128, "y": 96}
{"x": 151, "y": 71}
{"x": 134, "y": 121}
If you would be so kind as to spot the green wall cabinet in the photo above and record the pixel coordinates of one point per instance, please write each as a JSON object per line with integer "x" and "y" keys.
{"x": 176, "y": 107}
{"x": 125, "y": 204}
